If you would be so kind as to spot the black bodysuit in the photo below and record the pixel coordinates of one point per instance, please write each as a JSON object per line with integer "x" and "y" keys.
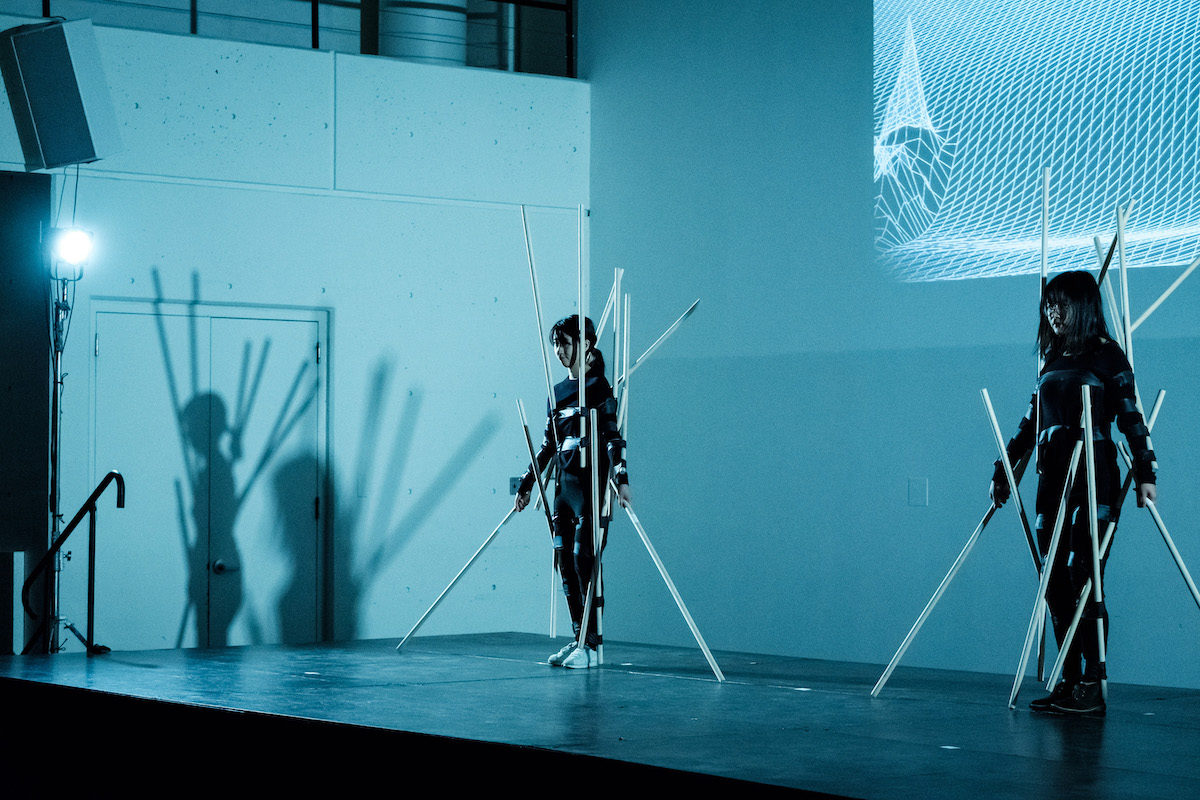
{"x": 1055, "y": 411}
{"x": 572, "y": 512}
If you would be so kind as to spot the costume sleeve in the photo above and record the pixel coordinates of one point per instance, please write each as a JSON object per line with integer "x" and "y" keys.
{"x": 1121, "y": 388}
{"x": 610, "y": 432}
{"x": 1021, "y": 443}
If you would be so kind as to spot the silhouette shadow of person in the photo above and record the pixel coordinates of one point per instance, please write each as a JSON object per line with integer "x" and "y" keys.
{"x": 297, "y": 529}
{"x": 214, "y": 509}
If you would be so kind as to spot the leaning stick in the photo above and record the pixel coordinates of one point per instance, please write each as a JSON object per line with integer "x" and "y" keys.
{"x": 1039, "y": 603}
{"x": 1081, "y": 603}
{"x": 1018, "y": 471}
{"x": 615, "y": 298}
{"x": 1044, "y": 263}
{"x": 596, "y": 590}
{"x": 1105, "y": 260}
{"x": 1126, "y": 324}
{"x": 1094, "y": 530}
{"x": 608, "y": 308}
{"x": 1112, "y": 247}
{"x": 1045, "y": 224}
{"x": 631, "y": 367}
{"x": 537, "y": 310}
{"x": 1191, "y": 267}
{"x": 662, "y": 570}
{"x": 1041, "y": 361}
{"x": 1008, "y": 473}
{"x": 1113, "y": 309}
{"x": 466, "y": 566}
{"x": 1162, "y": 529}
{"x": 1105, "y": 544}
{"x": 533, "y": 465}
{"x": 623, "y": 399}
{"x": 937, "y": 595}
{"x": 1153, "y": 509}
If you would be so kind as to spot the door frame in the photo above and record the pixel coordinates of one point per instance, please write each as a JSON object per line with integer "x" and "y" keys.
{"x": 241, "y": 311}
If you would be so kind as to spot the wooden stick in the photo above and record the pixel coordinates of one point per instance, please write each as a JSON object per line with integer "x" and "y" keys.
{"x": 608, "y": 308}
{"x": 1127, "y": 326}
{"x": 1191, "y": 267}
{"x": 1008, "y": 473}
{"x": 1094, "y": 529}
{"x": 1112, "y": 247}
{"x": 537, "y": 309}
{"x": 597, "y": 588}
{"x": 533, "y": 465}
{"x": 1045, "y": 224}
{"x": 1039, "y": 603}
{"x": 541, "y": 334}
{"x": 1114, "y": 311}
{"x": 1183, "y": 570}
{"x": 631, "y": 367}
{"x": 594, "y": 588}
{"x": 1105, "y": 544}
{"x": 662, "y": 570}
{"x": 466, "y": 566}
{"x": 937, "y": 595}
{"x": 1037, "y": 406}
{"x": 615, "y": 298}
{"x": 623, "y": 398}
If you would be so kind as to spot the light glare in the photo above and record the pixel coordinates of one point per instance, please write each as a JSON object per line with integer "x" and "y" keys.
{"x": 72, "y": 246}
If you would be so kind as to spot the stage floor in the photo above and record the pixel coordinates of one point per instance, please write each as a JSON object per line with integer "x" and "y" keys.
{"x": 775, "y": 722}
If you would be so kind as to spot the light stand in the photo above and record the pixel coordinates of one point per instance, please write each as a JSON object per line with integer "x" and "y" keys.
{"x": 70, "y": 247}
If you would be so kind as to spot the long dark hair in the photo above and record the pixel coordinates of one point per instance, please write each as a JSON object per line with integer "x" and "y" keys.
{"x": 1077, "y": 294}
{"x": 567, "y": 330}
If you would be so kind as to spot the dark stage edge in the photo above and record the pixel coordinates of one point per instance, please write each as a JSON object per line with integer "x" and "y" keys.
{"x": 451, "y": 714}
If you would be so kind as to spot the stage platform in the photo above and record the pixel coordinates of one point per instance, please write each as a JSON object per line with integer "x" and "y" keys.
{"x": 450, "y": 715}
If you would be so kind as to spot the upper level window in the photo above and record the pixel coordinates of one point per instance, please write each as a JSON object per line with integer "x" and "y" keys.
{"x": 535, "y": 36}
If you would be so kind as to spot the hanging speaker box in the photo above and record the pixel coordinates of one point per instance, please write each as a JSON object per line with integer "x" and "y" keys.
{"x": 59, "y": 97}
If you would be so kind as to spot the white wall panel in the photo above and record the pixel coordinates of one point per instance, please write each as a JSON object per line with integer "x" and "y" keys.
{"x": 229, "y": 189}
{"x": 434, "y": 131}
{"x": 204, "y": 108}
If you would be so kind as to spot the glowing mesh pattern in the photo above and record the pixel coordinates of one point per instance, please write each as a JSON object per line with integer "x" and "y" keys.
{"x": 974, "y": 98}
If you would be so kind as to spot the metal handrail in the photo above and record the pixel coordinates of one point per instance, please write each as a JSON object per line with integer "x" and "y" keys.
{"x": 88, "y": 509}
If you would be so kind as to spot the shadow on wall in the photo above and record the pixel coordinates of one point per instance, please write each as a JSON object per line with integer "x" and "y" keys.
{"x": 293, "y": 504}
{"x": 212, "y": 447}
{"x": 369, "y": 532}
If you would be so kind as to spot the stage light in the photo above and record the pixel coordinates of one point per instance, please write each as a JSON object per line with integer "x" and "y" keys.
{"x": 71, "y": 245}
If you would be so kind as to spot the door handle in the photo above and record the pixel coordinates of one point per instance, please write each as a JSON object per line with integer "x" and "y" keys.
{"x": 219, "y": 567}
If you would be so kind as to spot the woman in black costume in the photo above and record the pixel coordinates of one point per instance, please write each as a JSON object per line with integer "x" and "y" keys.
{"x": 1078, "y": 350}
{"x": 572, "y": 511}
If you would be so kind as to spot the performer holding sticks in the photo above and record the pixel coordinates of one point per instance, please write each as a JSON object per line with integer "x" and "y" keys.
{"x": 1078, "y": 351}
{"x": 572, "y": 520}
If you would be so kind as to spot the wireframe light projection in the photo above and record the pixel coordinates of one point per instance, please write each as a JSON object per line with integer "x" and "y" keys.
{"x": 975, "y": 98}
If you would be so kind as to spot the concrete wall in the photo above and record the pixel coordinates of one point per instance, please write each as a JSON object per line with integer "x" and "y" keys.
{"x": 386, "y": 196}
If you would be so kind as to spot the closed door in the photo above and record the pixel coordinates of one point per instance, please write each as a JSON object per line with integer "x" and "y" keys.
{"x": 216, "y": 423}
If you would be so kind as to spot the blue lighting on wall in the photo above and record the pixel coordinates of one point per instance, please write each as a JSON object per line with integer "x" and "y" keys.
{"x": 975, "y": 98}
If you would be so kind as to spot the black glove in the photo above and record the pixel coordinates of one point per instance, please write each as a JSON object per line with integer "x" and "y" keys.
{"x": 1000, "y": 487}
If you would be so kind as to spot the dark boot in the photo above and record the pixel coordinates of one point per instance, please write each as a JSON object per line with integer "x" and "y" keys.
{"x": 1086, "y": 699}
{"x": 1061, "y": 693}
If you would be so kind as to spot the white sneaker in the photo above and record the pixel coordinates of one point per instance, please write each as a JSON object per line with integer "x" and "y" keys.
{"x": 558, "y": 658}
{"x": 581, "y": 658}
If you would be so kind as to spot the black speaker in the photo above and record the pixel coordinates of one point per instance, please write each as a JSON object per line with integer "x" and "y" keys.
{"x": 59, "y": 97}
